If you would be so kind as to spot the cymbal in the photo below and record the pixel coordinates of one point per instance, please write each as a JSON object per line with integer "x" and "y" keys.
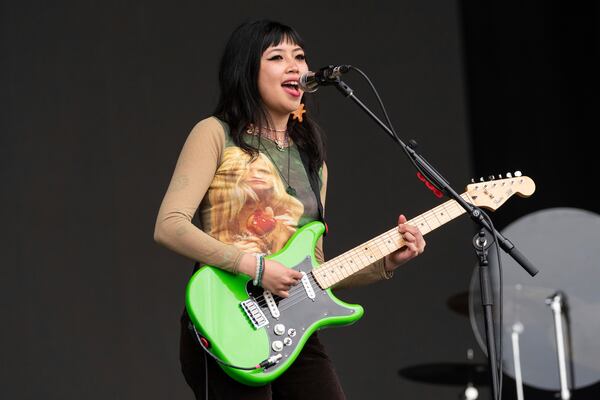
{"x": 448, "y": 373}
{"x": 459, "y": 303}
{"x": 568, "y": 264}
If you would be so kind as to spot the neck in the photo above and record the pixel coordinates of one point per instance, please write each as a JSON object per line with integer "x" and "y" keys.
{"x": 277, "y": 123}
{"x": 352, "y": 261}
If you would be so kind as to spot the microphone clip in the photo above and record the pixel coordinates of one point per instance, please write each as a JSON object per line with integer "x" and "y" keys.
{"x": 329, "y": 75}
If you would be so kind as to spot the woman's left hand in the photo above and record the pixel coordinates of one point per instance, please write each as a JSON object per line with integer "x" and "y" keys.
{"x": 414, "y": 245}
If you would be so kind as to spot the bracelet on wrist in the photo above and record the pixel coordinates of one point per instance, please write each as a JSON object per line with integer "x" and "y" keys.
{"x": 260, "y": 265}
{"x": 257, "y": 270}
{"x": 262, "y": 269}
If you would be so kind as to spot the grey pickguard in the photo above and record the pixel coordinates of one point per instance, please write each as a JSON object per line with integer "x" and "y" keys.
{"x": 298, "y": 312}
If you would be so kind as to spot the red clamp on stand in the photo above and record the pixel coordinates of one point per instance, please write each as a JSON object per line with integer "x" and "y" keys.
{"x": 430, "y": 186}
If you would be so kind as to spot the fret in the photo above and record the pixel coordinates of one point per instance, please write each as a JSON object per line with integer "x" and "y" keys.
{"x": 372, "y": 251}
{"x": 340, "y": 268}
{"x": 327, "y": 277}
{"x": 442, "y": 214}
{"x": 376, "y": 252}
{"x": 362, "y": 258}
{"x": 451, "y": 208}
{"x": 333, "y": 271}
{"x": 381, "y": 247}
{"x": 422, "y": 224}
{"x": 352, "y": 264}
{"x": 352, "y": 261}
{"x": 432, "y": 220}
{"x": 346, "y": 267}
{"x": 436, "y": 216}
{"x": 386, "y": 243}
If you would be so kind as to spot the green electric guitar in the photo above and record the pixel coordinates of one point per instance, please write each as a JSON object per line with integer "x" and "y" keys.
{"x": 250, "y": 328}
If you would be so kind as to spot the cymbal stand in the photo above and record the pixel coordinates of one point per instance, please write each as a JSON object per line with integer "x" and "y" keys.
{"x": 517, "y": 329}
{"x": 470, "y": 392}
{"x": 555, "y": 302}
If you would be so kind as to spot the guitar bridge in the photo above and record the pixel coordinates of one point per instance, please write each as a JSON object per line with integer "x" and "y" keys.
{"x": 254, "y": 313}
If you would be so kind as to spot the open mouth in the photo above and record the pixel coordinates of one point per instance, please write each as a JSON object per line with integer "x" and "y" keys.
{"x": 291, "y": 87}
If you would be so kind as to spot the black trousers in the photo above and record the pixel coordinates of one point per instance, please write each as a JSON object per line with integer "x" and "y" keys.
{"x": 311, "y": 376}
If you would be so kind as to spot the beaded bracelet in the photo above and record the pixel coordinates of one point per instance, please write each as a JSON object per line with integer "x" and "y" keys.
{"x": 262, "y": 269}
{"x": 255, "y": 281}
{"x": 260, "y": 264}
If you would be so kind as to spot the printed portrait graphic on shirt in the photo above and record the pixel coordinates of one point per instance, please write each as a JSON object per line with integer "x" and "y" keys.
{"x": 259, "y": 215}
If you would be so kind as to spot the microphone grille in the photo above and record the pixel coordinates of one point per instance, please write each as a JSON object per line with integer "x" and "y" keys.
{"x": 308, "y": 83}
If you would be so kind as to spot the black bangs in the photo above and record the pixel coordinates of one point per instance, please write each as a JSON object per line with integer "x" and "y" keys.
{"x": 276, "y": 33}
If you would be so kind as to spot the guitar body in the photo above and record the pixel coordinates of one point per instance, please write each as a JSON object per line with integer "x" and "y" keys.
{"x": 241, "y": 323}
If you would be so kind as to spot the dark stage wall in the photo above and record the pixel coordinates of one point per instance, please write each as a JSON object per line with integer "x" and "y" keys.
{"x": 97, "y": 100}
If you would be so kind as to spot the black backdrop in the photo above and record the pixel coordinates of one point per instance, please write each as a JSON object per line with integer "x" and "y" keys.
{"x": 98, "y": 98}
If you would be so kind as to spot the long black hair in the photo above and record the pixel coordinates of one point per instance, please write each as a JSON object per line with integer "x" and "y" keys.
{"x": 240, "y": 103}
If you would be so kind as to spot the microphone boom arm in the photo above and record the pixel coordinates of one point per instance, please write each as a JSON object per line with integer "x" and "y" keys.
{"x": 438, "y": 180}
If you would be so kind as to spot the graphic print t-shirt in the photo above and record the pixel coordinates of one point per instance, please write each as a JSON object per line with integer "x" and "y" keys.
{"x": 248, "y": 203}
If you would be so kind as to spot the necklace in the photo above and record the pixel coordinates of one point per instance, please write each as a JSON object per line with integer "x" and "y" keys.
{"x": 282, "y": 144}
{"x": 290, "y": 190}
{"x": 274, "y": 130}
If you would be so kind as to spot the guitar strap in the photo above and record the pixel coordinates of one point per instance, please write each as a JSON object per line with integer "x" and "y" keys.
{"x": 314, "y": 179}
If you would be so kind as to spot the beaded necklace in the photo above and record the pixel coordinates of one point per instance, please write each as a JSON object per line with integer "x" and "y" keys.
{"x": 281, "y": 145}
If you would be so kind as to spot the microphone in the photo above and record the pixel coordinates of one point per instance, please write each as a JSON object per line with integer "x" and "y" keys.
{"x": 310, "y": 81}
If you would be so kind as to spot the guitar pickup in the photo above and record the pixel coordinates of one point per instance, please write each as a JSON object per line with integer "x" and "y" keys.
{"x": 271, "y": 304}
{"x": 254, "y": 313}
{"x": 307, "y": 286}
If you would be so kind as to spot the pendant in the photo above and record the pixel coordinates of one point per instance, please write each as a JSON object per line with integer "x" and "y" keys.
{"x": 279, "y": 146}
{"x": 291, "y": 191}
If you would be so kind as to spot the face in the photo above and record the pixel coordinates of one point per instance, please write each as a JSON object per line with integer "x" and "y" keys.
{"x": 259, "y": 176}
{"x": 280, "y": 70}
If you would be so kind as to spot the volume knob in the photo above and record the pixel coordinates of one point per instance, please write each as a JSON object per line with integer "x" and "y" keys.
{"x": 277, "y": 345}
{"x": 279, "y": 329}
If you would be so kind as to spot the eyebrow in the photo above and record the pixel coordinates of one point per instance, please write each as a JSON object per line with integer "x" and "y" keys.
{"x": 280, "y": 49}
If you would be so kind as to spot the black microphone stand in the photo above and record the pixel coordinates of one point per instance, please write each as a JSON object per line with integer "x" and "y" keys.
{"x": 473, "y": 211}
{"x": 481, "y": 243}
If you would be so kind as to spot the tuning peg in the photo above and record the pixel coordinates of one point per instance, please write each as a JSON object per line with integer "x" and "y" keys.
{"x": 499, "y": 176}
{"x": 491, "y": 177}
{"x": 472, "y": 180}
{"x": 508, "y": 175}
{"x": 481, "y": 179}
{"x": 518, "y": 173}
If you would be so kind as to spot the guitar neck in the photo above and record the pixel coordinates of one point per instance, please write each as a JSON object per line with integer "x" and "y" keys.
{"x": 358, "y": 258}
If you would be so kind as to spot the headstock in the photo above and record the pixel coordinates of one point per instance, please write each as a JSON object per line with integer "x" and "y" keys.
{"x": 491, "y": 194}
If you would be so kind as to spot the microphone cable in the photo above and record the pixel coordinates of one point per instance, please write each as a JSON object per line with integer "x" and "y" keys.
{"x": 499, "y": 356}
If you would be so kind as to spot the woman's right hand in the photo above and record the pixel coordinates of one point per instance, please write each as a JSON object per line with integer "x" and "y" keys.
{"x": 276, "y": 278}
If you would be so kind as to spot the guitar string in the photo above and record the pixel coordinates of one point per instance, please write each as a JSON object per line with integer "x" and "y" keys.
{"x": 294, "y": 291}
{"x": 426, "y": 217}
{"x": 291, "y": 303}
{"x": 261, "y": 301}
{"x": 376, "y": 244}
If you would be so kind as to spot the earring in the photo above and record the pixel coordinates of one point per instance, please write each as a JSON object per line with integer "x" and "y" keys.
{"x": 251, "y": 129}
{"x": 298, "y": 113}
